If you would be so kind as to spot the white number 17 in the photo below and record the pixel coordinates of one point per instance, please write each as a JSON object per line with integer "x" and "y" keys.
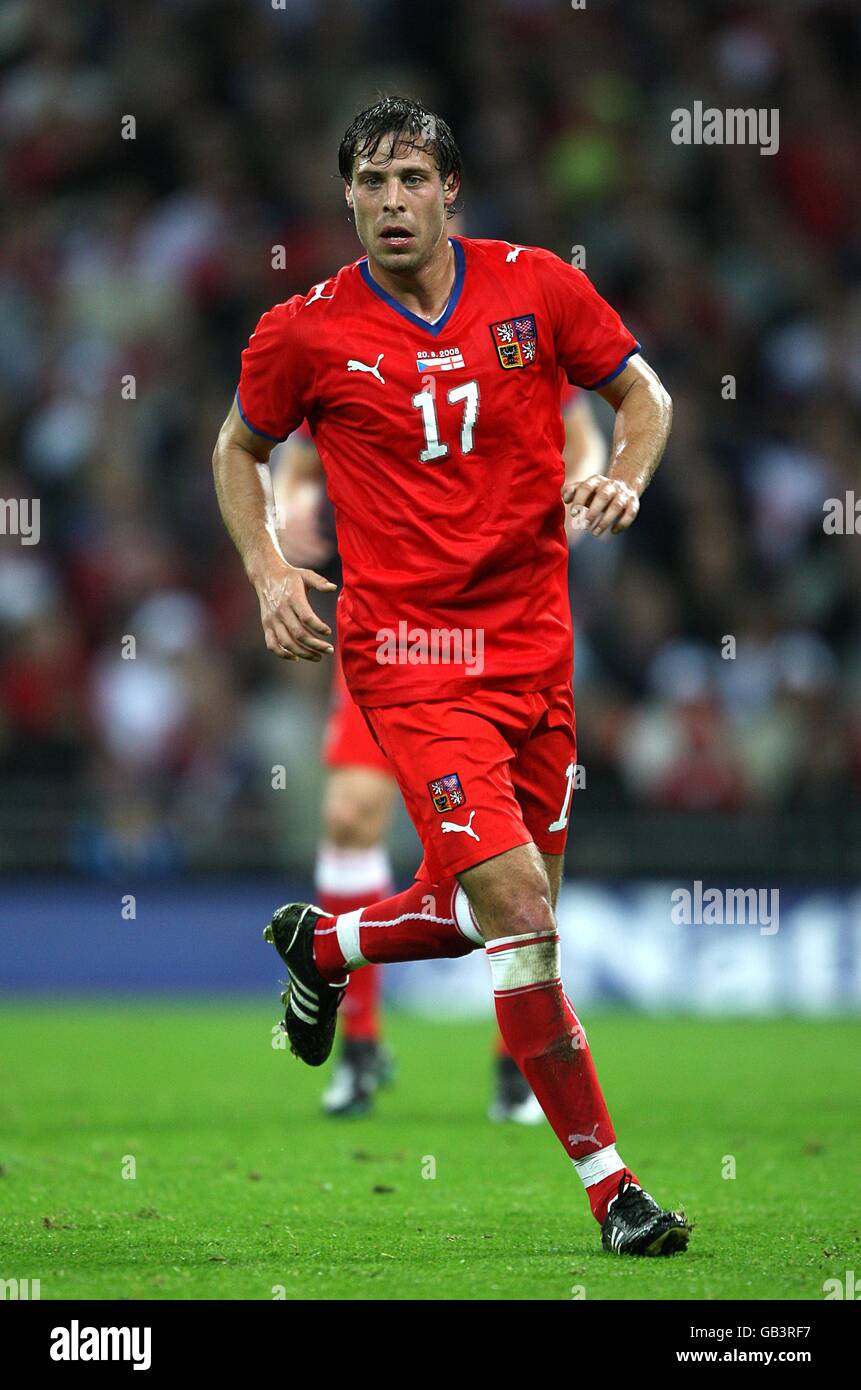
{"x": 425, "y": 402}
{"x": 561, "y": 823}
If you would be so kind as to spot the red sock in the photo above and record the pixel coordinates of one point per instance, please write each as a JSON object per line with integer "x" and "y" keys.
{"x": 360, "y": 1011}
{"x": 547, "y": 1041}
{"x": 359, "y": 1014}
{"x": 425, "y": 922}
{"x": 602, "y": 1193}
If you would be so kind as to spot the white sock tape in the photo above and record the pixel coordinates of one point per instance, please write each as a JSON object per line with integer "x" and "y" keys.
{"x": 347, "y": 928}
{"x": 352, "y": 870}
{"x": 519, "y": 961}
{"x": 598, "y": 1166}
{"x": 465, "y": 917}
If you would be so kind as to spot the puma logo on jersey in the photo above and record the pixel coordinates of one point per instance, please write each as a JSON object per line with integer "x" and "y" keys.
{"x": 354, "y": 366}
{"x": 317, "y": 293}
{"x": 514, "y": 253}
{"x": 467, "y": 829}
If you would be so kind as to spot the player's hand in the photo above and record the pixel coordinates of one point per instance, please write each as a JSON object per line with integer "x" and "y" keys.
{"x": 600, "y": 504}
{"x": 291, "y": 627}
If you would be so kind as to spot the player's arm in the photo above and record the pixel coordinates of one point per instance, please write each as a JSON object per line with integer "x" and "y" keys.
{"x": 243, "y": 485}
{"x": 585, "y": 455}
{"x": 585, "y": 449}
{"x": 644, "y": 414}
{"x": 298, "y": 483}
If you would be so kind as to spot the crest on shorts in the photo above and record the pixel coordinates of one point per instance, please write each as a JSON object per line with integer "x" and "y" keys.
{"x": 447, "y": 793}
{"x": 516, "y": 341}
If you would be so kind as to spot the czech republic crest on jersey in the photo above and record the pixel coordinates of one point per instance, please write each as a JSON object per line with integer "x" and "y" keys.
{"x": 516, "y": 341}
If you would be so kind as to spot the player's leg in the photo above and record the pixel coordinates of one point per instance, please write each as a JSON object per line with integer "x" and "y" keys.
{"x": 352, "y": 870}
{"x": 515, "y": 904}
{"x": 554, "y": 867}
{"x": 512, "y": 898}
{"x": 514, "y": 1100}
{"x": 427, "y": 921}
{"x": 432, "y": 918}
{"x": 472, "y": 826}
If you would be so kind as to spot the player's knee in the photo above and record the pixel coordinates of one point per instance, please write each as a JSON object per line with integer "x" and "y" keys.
{"x": 520, "y": 911}
{"x": 352, "y": 822}
{"x": 343, "y": 827}
{"x": 512, "y": 896}
{"x": 528, "y": 914}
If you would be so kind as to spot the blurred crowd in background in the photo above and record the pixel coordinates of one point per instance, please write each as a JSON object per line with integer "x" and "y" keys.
{"x": 152, "y": 258}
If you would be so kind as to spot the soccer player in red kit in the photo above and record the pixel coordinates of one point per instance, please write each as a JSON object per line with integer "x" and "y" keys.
{"x": 428, "y": 371}
{"x": 352, "y": 866}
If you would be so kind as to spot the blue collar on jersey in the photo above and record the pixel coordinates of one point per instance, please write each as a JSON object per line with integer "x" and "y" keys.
{"x": 433, "y": 328}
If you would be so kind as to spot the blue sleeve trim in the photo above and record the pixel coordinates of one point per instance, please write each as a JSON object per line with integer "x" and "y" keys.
{"x": 253, "y": 428}
{"x": 605, "y": 380}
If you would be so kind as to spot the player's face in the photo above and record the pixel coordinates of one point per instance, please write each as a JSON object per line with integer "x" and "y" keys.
{"x": 399, "y": 202}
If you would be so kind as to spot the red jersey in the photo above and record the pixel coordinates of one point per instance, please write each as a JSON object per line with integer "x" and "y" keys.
{"x": 442, "y": 448}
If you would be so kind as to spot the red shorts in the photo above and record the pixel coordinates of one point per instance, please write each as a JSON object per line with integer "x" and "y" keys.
{"x": 482, "y": 773}
{"x": 348, "y": 742}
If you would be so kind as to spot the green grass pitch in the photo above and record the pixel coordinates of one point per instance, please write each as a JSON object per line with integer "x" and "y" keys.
{"x": 243, "y": 1190}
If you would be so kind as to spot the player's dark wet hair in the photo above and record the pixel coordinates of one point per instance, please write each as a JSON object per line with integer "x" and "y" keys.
{"x": 409, "y": 124}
